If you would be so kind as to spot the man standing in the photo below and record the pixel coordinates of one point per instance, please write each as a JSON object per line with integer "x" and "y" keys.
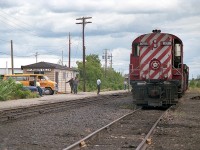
{"x": 125, "y": 83}
{"x": 39, "y": 88}
{"x": 98, "y": 86}
{"x": 71, "y": 83}
{"x": 75, "y": 85}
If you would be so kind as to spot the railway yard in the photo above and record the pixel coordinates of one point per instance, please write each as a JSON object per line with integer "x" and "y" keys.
{"x": 59, "y": 124}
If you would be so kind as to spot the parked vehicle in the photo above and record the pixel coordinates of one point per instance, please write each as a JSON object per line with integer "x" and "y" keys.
{"x": 28, "y": 80}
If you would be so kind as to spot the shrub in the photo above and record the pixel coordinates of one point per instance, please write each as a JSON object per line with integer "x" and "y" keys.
{"x": 10, "y": 90}
{"x": 198, "y": 84}
{"x": 192, "y": 83}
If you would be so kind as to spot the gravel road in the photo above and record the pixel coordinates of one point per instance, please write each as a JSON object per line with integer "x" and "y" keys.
{"x": 60, "y": 129}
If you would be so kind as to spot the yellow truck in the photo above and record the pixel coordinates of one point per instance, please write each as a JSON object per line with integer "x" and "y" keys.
{"x": 28, "y": 80}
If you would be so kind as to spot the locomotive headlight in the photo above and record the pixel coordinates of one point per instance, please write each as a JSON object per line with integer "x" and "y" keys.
{"x": 165, "y": 76}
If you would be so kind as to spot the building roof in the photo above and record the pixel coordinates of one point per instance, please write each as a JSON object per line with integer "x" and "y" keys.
{"x": 46, "y": 65}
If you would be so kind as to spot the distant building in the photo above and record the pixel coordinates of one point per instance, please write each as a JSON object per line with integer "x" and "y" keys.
{"x": 4, "y": 71}
{"x": 55, "y": 72}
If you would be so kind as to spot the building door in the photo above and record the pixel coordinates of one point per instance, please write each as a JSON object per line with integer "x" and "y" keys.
{"x": 56, "y": 77}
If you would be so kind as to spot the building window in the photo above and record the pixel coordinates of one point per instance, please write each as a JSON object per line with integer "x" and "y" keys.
{"x": 38, "y": 72}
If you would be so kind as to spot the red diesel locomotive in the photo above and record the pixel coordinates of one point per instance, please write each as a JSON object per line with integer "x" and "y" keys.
{"x": 157, "y": 74}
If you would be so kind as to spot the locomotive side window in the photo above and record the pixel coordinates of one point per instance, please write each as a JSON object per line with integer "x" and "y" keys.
{"x": 177, "y": 55}
{"x": 177, "y": 50}
{"x": 136, "y": 50}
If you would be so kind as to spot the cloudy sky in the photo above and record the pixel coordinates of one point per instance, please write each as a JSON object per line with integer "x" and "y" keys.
{"x": 41, "y": 26}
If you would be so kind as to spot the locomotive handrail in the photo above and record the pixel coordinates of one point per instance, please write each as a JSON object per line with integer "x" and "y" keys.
{"x": 177, "y": 70}
{"x": 181, "y": 77}
{"x": 132, "y": 69}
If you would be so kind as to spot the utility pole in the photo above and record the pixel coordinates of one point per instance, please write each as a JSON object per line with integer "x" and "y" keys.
{"x": 106, "y": 57}
{"x": 69, "y": 50}
{"x": 36, "y": 55}
{"x": 62, "y": 57}
{"x": 12, "y": 63}
{"x": 110, "y": 57}
{"x": 84, "y": 22}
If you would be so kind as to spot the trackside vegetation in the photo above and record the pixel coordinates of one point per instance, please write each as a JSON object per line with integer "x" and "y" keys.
{"x": 9, "y": 89}
{"x": 110, "y": 79}
{"x": 195, "y": 83}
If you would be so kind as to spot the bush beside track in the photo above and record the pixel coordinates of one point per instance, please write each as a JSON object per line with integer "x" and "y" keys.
{"x": 9, "y": 90}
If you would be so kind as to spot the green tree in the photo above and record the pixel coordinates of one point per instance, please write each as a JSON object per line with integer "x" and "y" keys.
{"x": 112, "y": 80}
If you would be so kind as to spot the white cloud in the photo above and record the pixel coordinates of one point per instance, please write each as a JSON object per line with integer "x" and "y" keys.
{"x": 43, "y": 27}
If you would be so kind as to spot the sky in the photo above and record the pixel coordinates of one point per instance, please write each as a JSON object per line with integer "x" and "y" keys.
{"x": 42, "y": 27}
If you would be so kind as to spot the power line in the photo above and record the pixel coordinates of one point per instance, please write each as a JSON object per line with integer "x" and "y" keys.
{"x": 13, "y": 28}
{"x": 17, "y": 25}
{"x": 16, "y": 18}
{"x": 14, "y": 24}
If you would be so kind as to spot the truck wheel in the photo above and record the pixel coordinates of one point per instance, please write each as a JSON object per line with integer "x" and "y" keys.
{"x": 48, "y": 91}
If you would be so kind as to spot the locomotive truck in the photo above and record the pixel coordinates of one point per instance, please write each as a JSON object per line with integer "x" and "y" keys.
{"x": 158, "y": 75}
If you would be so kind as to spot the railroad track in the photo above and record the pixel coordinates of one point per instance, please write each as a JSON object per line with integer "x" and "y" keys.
{"x": 131, "y": 131}
{"x": 22, "y": 112}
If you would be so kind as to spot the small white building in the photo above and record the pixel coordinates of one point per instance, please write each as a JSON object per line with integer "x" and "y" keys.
{"x": 58, "y": 73}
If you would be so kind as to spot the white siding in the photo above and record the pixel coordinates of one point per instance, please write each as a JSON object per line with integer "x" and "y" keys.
{"x": 63, "y": 77}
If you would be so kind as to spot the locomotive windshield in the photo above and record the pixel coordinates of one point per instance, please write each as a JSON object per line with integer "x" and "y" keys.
{"x": 136, "y": 49}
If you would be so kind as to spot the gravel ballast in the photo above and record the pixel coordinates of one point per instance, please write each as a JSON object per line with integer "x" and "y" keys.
{"x": 59, "y": 130}
{"x": 180, "y": 128}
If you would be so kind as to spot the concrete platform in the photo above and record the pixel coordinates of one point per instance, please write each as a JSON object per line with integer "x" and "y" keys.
{"x": 51, "y": 98}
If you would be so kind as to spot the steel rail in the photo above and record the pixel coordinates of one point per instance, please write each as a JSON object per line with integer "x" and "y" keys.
{"x": 78, "y": 143}
{"x": 143, "y": 145}
{"x": 15, "y": 113}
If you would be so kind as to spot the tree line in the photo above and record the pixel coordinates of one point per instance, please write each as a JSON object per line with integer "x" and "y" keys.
{"x": 110, "y": 79}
